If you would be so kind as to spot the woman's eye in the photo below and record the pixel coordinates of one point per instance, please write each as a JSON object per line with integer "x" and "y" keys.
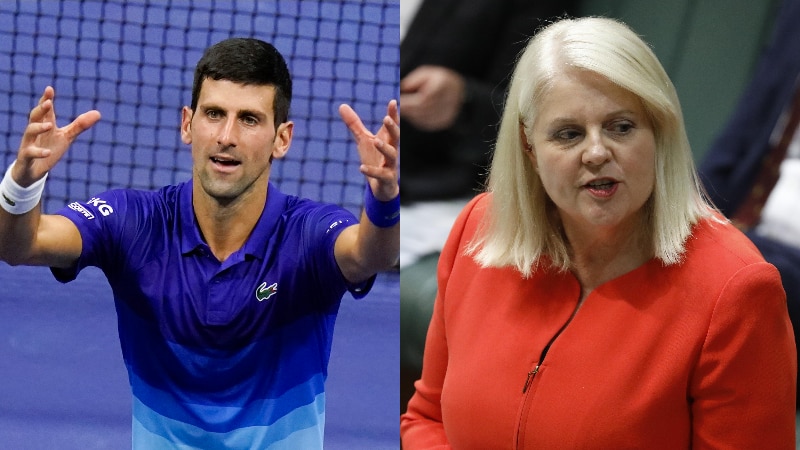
{"x": 567, "y": 135}
{"x": 622, "y": 127}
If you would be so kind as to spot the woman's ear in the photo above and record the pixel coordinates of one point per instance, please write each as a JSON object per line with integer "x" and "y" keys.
{"x": 523, "y": 139}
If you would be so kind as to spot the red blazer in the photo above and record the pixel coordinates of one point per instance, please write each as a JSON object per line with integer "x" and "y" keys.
{"x": 695, "y": 355}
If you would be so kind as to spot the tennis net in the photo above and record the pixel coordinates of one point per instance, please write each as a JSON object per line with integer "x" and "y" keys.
{"x": 133, "y": 60}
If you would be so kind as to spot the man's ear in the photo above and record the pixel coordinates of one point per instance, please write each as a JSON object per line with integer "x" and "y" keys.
{"x": 283, "y": 139}
{"x": 186, "y": 125}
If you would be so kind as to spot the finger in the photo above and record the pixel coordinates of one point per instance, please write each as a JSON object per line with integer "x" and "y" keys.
{"x": 46, "y": 101}
{"x": 40, "y": 111}
{"x": 47, "y": 94}
{"x": 36, "y": 128}
{"x": 28, "y": 154}
{"x": 25, "y": 169}
{"x": 81, "y": 124}
{"x": 413, "y": 81}
{"x": 32, "y": 131}
{"x": 32, "y": 152}
{"x": 352, "y": 120}
{"x": 381, "y": 174}
{"x": 407, "y": 86}
{"x": 390, "y": 132}
{"x": 389, "y": 153}
{"x": 386, "y": 179}
{"x": 393, "y": 111}
{"x": 393, "y": 124}
{"x": 411, "y": 101}
{"x": 392, "y": 127}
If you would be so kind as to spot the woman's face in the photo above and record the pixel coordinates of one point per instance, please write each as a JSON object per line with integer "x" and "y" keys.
{"x": 594, "y": 150}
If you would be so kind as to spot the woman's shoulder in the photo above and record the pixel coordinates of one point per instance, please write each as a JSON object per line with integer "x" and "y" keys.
{"x": 716, "y": 247}
{"x": 471, "y": 217}
{"x": 718, "y": 236}
{"x": 477, "y": 208}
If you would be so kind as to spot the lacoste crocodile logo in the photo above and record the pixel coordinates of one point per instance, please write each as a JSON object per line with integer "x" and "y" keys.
{"x": 264, "y": 292}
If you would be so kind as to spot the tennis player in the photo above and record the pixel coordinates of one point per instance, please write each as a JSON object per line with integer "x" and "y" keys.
{"x": 226, "y": 289}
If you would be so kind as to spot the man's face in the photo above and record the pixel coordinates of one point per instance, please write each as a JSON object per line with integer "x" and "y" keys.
{"x": 233, "y": 138}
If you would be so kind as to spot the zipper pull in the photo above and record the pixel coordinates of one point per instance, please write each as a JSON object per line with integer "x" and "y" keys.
{"x": 528, "y": 380}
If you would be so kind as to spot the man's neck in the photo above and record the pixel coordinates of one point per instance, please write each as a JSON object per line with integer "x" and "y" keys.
{"x": 227, "y": 226}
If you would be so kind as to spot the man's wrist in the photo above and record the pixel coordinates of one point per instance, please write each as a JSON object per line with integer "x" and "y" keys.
{"x": 381, "y": 214}
{"x": 19, "y": 200}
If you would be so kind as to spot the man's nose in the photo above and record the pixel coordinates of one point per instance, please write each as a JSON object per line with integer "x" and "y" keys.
{"x": 228, "y": 133}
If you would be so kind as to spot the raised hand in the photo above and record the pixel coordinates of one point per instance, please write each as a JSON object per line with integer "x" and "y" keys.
{"x": 43, "y": 143}
{"x": 378, "y": 152}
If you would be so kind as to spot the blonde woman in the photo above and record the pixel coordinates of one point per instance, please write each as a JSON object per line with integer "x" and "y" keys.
{"x": 593, "y": 298}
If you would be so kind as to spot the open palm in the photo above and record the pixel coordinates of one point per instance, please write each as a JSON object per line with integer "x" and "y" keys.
{"x": 43, "y": 143}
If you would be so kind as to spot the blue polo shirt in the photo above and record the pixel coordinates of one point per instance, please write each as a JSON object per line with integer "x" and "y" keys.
{"x": 219, "y": 355}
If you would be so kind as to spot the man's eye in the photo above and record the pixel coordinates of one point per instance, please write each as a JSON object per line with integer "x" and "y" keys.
{"x": 213, "y": 114}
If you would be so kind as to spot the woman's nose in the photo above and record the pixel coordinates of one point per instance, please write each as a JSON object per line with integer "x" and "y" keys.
{"x": 597, "y": 152}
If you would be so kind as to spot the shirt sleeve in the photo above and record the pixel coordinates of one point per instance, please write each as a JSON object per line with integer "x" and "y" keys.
{"x": 743, "y": 388}
{"x": 322, "y": 229}
{"x": 101, "y": 222}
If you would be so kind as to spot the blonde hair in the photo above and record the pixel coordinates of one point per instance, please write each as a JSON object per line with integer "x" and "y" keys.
{"x": 520, "y": 227}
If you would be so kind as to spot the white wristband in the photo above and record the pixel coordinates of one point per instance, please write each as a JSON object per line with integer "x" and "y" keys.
{"x": 17, "y": 199}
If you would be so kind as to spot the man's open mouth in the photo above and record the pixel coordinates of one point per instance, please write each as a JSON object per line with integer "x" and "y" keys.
{"x": 224, "y": 162}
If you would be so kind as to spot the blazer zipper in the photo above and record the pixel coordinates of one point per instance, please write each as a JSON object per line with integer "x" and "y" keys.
{"x": 532, "y": 374}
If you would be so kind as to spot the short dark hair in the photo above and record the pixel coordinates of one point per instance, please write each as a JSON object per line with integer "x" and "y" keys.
{"x": 246, "y": 61}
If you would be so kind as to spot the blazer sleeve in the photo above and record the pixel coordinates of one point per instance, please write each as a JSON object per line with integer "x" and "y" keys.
{"x": 742, "y": 393}
{"x": 421, "y": 426}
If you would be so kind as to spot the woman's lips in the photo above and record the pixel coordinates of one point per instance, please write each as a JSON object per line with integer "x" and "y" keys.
{"x": 604, "y": 188}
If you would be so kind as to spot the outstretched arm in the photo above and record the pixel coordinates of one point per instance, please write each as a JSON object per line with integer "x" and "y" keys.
{"x": 27, "y": 236}
{"x": 374, "y": 244}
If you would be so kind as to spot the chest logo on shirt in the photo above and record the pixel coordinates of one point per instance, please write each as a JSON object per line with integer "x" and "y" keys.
{"x": 264, "y": 292}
